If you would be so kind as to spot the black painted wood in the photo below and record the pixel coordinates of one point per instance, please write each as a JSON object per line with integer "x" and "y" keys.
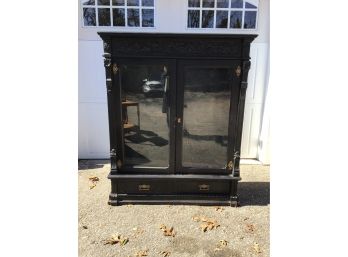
{"x": 175, "y": 184}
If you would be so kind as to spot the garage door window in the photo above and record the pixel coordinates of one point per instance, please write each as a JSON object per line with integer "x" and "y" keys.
{"x": 222, "y": 14}
{"x": 118, "y": 13}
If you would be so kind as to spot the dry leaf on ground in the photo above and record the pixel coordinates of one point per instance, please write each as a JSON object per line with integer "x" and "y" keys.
{"x": 165, "y": 253}
{"x": 93, "y": 179}
{"x": 250, "y": 227}
{"x": 92, "y": 186}
{"x": 207, "y": 224}
{"x": 85, "y": 227}
{"x": 257, "y": 248}
{"x": 221, "y": 245}
{"x": 116, "y": 239}
{"x": 219, "y": 209}
{"x": 167, "y": 231}
{"x": 142, "y": 253}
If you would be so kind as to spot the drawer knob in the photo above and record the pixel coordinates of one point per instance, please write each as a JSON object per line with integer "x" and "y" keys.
{"x": 144, "y": 187}
{"x": 203, "y": 187}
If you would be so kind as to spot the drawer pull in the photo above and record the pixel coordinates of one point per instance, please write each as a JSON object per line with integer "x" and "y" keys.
{"x": 144, "y": 187}
{"x": 203, "y": 187}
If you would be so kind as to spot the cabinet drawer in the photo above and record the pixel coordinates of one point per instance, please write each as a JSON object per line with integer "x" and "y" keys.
{"x": 144, "y": 187}
{"x": 203, "y": 187}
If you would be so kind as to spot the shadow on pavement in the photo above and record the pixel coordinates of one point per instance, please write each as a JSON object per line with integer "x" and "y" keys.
{"x": 92, "y": 164}
{"x": 254, "y": 193}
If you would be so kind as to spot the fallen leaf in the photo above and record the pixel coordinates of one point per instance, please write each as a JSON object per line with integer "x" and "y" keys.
{"x": 92, "y": 186}
{"x": 85, "y": 227}
{"x": 142, "y": 253}
{"x": 165, "y": 253}
{"x": 114, "y": 239}
{"x": 257, "y": 248}
{"x": 246, "y": 218}
{"x": 124, "y": 241}
{"x": 223, "y": 243}
{"x": 167, "y": 231}
{"x": 250, "y": 227}
{"x": 94, "y": 179}
{"x": 219, "y": 209}
{"x": 196, "y": 218}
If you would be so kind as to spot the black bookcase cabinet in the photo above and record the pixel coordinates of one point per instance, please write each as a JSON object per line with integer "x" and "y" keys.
{"x": 175, "y": 106}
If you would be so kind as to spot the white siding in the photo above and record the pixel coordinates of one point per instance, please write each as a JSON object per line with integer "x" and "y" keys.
{"x": 170, "y": 18}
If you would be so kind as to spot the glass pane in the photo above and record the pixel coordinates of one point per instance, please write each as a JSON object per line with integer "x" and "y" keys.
{"x": 222, "y": 3}
{"x": 104, "y": 17}
{"x": 118, "y": 17}
{"x": 147, "y": 2}
{"x": 206, "y": 117}
{"x": 194, "y": 3}
{"x": 89, "y": 17}
{"x": 147, "y": 16}
{"x": 207, "y": 19}
{"x": 235, "y": 20}
{"x": 88, "y": 2}
{"x": 221, "y": 19}
{"x": 250, "y": 6}
{"x": 103, "y": 2}
{"x": 208, "y": 3}
{"x": 118, "y": 2}
{"x": 250, "y": 20}
{"x": 193, "y": 19}
{"x": 133, "y": 17}
{"x": 133, "y": 2}
{"x": 236, "y": 3}
{"x": 145, "y": 114}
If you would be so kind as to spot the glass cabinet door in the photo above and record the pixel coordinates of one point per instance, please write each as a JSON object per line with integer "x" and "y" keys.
{"x": 205, "y": 90}
{"x": 146, "y": 111}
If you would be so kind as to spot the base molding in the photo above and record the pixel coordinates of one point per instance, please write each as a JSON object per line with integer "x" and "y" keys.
{"x": 207, "y": 190}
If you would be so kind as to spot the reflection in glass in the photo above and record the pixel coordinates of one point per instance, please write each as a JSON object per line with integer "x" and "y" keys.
{"x": 208, "y": 3}
{"x": 147, "y": 2}
{"x": 249, "y": 5}
{"x": 236, "y": 3}
{"x": 118, "y": 17}
{"x": 205, "y": 117}
{"x": 235, "y": 19}
{"x": 145, "y": 115}
{"x": 104, "y": 17}
{"x": 88, "y": 2}
{"x": 194, "y": 3}
{"x": 147, "y": 18}
{"x": 133, "y": 2}
{"x": 249, "y": 20}
{"x": 118, "y": 2}
{"x": 89, "y": 17}
{"x": 103, "y": 2}
{"x": 193, "y": 19}
{"x": 221, "y": 19}
{"x": 222, "y": 3}
{"x": 133, "y": 17}
{"x": 207, "y": 19}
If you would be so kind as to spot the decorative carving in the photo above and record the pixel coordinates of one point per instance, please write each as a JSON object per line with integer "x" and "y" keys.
{"x": 246, "y": 68}
{"x": 115, "y": 68}
{"x": 108, "y": 85}
{"x": 113, "y": 153}
{"x": 119, "y": 163}
{"x": 107, "y": 46}
{"x": 107, "y": 62}
{"x": 238, "y": 71}
{"x": 177, "y": 47}
{"x": 229, "y": 165}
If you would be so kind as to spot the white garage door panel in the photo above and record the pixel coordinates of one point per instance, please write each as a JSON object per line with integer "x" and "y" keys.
{"x": 93, "y": 130}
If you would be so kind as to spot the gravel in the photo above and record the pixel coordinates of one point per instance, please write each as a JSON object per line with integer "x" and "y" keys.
{"x": 246, "y": 228}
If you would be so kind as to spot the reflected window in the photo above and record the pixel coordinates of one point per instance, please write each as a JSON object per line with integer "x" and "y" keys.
{"x": 104, "y": 17}
{"x": 205, "y": 117}
{"x": 89, "y": 17}
{"x": 226, "y": 14}
{"x": 118, "y": 13}
{"x": 145, "y": 114}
